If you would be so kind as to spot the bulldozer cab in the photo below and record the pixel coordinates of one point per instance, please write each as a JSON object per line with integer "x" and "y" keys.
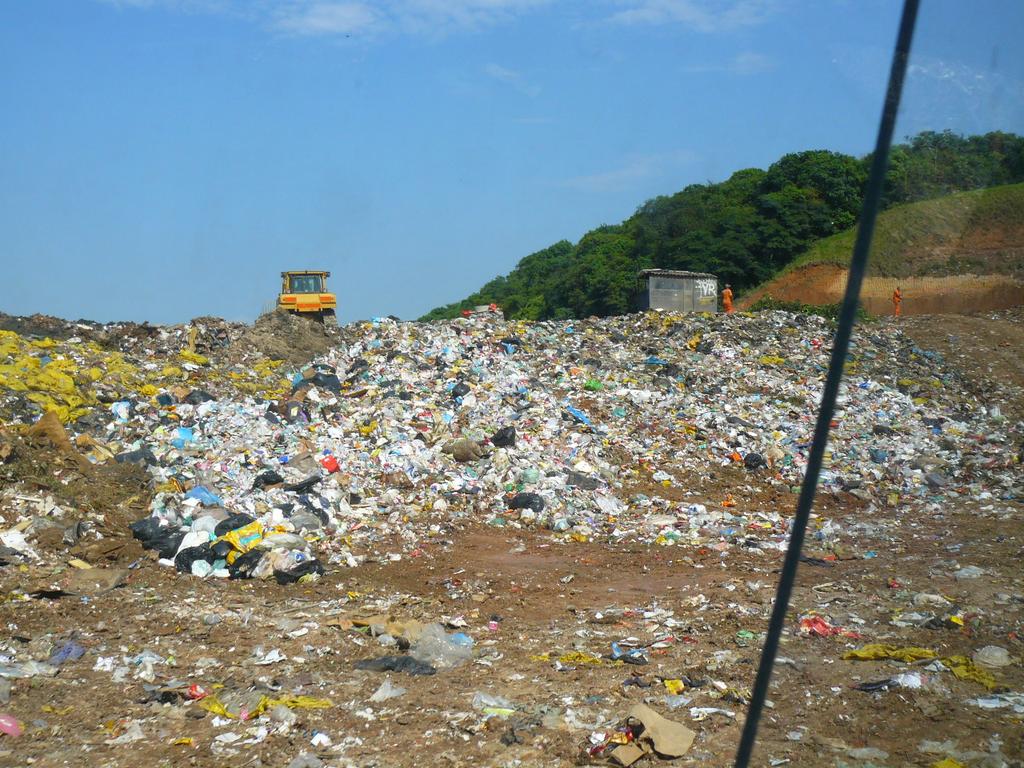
{"x": 304, "y": 292}
{"x": 297, "y": 282}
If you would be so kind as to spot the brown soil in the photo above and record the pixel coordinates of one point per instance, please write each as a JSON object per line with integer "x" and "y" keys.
{"x": 826, "y": 283}
{"x": 518, "y": 577}
{"x": 284, "y": 336}
{"x": 106, "y": 497}
{"x": 986, "y": 349}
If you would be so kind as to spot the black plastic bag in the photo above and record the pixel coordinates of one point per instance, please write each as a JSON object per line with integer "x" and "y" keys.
{"x": 263, "y": 479}
{"x": 184, "y": 559}
{"x": 302, "y": 569}
{"x": 405, "y": 664}
{"x": 167, "y": 544}
{"x": 527, "y": 501}
{"x": 232, "y": 523}
{"x": 754, "y": 461}
{"x": 294, "y": 411}
{"x": 197, "y": 396}
{"x": 328, "y": 381}
{"x": 154, "y": 536}
{"x": 146, "y": 529}
{"x": 581, "y": 481}
{"x": 245, "y": 564}
{"x": 304, "y": 486}
{"x": 141, "y": 456}
{"x": 504, "y": 437}
{"x": 461, "y": 389}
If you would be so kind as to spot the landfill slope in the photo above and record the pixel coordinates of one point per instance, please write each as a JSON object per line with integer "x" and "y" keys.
{"x": 213, "y": 537}
{"x": 961, "y": 253}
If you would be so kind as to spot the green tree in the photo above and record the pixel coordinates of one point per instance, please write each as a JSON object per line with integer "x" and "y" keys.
{"x": 743, "y": 229}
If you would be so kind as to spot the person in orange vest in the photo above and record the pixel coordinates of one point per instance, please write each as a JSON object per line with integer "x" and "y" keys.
{"x": 897, "y": 299}
{"x": 727, "y": 299}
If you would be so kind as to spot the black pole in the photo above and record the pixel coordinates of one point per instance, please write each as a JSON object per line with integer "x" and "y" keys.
{"x": 840, "y": 347}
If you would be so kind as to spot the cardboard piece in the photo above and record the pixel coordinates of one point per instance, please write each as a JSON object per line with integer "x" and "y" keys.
{"x": 94, "y": 581}
{"x": 408, "y": 630}
{"x": 665, "y": 737}
{"x": 627, "y": 754}
{"x": 6, "y": 447}
{"x": 49, "y": 429}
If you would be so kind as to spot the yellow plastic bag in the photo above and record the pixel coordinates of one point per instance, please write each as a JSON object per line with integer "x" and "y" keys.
{"x": 880, "y": 652}
{"x": 674, "y": 687}
{"x": 301, "y": 702}
{"x": 965, "y": 669}
{"x": 581, "y": 657}
{"x": 243, "y": 539}
{"x": 215, "y": 706}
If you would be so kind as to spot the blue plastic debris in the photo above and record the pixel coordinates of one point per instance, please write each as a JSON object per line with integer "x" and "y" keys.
{"x": 578, "y": 415}
{"x": 70, "y": 651}
{"x": 184, "y": 436}
{"x": 629, "y": 655}
{"x": 205, "y": 496}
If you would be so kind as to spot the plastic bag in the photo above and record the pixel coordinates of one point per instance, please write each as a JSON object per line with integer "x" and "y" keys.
{"x": 441, "y": 650}
{"x": 184, "y": 559}
{"x": 406, "y": 664}
{"x": 232, "y": 523}
{"x": 300, "y": 567}
{"x": 270, "y": 477}
{"x": 152, "y": 535}
{"x": 527, "y": 501}
{"x": 244, "y": 565}
{"x": 504, "y": 437}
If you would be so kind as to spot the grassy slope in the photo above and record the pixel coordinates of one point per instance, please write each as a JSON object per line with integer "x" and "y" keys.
{"x": 980, "y": 231}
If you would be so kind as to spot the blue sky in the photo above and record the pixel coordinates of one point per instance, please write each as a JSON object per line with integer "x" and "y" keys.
{"x": 164, "y": 159}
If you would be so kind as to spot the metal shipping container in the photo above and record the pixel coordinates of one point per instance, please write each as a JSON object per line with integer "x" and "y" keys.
{"x": 677, "y": 290}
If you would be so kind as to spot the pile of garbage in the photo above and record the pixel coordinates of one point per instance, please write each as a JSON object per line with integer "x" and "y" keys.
{"x": 630, "y": 428}
{"x": 571, "y": 530}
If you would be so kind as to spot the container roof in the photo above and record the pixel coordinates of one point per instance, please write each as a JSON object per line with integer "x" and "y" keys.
{"x": 673, "y": 273}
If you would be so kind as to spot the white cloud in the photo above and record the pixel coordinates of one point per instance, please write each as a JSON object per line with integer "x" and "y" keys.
{"x": 190, "y": 6}
{"x": 635, "y": 168}
{"x": 512, "y": 78}
{"x": 326, "y": 18}
{"x": 429, "y": 18}
{"x": 435, "y": 17}
{"x": 938, "y": 93}
{"x": 751, "y": 63}
{"x": 701, "y": 15}
{"x": 952, "y": 94}
{"x": 745, "y": 63}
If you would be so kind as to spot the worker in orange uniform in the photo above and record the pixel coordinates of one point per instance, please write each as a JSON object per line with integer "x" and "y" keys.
{"x": 897, "y": 299}
{"x": 727, "y": 299}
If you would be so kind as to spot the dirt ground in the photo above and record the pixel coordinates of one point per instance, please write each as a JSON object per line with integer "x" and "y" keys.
{"x": 528, "y": 598}
{"x": 986, "y": 347}
{"x": 518, "y": 577}
{"x": 282, "y": 336}
{"x": 826, "y": 284}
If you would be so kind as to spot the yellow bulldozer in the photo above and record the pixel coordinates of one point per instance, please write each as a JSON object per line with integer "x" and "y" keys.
{"x": 304, "y": 293}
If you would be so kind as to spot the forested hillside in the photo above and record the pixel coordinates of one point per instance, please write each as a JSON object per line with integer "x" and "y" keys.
{"x": 743, "y": 229}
